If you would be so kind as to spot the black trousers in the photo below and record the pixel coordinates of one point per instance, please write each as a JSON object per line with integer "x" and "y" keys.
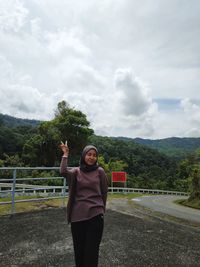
{"x": 86, "y": 240}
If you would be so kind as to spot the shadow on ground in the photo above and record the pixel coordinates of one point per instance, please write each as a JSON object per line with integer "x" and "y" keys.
{"x": 43, "y": 238}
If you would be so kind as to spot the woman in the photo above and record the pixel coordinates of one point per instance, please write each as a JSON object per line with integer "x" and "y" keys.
{"x": 88, "y": 187}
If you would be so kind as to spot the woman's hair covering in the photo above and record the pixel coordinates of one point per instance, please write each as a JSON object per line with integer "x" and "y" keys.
{"x": 83, "y": 166}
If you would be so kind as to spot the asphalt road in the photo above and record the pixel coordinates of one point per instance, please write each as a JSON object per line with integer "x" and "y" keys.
{"x": 165, "y": 204}
{"x": 131, "y": 237}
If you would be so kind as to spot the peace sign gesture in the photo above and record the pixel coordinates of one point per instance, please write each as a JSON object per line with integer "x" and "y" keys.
{"x": 64, "y": 148}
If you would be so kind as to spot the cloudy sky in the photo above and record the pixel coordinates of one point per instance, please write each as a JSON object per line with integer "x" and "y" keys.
{"x": 133, "y": 67}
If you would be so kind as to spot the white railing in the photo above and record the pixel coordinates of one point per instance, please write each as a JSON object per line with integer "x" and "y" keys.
{"x": 12, "y": 187}
{"x": 24, "y": 189}
{"x": 145, "y": 191}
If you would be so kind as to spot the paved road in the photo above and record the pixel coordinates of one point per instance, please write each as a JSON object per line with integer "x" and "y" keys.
{"x": 165, "y": 205}
{"x": 43, "y": 239}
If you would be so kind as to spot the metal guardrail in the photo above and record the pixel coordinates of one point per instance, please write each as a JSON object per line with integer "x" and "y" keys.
{"x": 49, "y": 192}
{"x": 145, "y": 191}
{"x": 53, "y": 190}
{"x": 14, "y": 185}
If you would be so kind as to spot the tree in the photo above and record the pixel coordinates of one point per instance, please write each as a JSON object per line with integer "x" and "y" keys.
{"x": 32, "y": 155}
{"x": 145, "y": 167}
{"x": 117, "y": 165}
{"x": 12, "y": 161}
{"x": 112, "y": 165}
{"x": 189, "y": 169}
{"x": 195, "y": 183}
{"x": 73, "y": 126}
{"x": 42, "y": 149}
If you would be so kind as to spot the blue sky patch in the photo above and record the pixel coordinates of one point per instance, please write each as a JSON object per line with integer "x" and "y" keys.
{"x": 167, "y": 103}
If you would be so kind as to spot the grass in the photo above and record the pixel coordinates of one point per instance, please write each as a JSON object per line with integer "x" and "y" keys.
{"x": 43, "y": 204}
{"x": 192, "y": 204}
{"x": 30, "y": 206}
{"x": 123, "y": 195}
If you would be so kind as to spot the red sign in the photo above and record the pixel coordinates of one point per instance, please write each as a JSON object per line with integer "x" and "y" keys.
{"x": 119, "y": 176}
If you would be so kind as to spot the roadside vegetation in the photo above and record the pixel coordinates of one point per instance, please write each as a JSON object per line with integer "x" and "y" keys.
{"x": 189, "y": 203}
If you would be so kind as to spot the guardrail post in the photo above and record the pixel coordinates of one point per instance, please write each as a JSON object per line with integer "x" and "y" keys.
{"x": 64, "y": 191}
{"x": 112, "y": 185}
{"x": 13, "y": 191}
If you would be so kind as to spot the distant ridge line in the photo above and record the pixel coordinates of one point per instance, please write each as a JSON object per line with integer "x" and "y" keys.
{"x": 11, "y": 121}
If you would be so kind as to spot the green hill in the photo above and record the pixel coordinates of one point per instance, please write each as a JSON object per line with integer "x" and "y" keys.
{"x": 10, "y": 121}
{"x": 174, "y": 146}
{"x": 22, "y": 143}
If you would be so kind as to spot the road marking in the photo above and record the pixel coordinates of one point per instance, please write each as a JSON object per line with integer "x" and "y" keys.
{"x": 136, "y": 199}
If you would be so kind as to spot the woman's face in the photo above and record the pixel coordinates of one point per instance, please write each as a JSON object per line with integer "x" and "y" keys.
{"x": 91, "y": 157}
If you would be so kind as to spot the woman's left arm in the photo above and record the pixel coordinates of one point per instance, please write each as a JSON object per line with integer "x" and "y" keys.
{"x": 104, "y": 185}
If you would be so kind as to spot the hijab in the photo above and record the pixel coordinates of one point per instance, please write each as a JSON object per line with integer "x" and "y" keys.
{"x": 85, "y": 167}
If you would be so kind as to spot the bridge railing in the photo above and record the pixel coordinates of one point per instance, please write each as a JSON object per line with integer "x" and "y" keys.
{"x": 15, "y": 187}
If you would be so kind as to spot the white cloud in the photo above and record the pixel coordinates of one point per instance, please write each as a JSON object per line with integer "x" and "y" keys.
{"x": 13, "y": 15}
{"x": 169, "y": 124}
{"x": 125, "y": 111}
{"x": 84, "y": 52}
{"x": 184, "y": 121}
{"x": 192, "y": 110}
{"x": 19, "y": 98}
{"x": 134, "y": 95}
{"x": 192, "y": 117}
{"x": 60, "y": 43}
{"x": 35, "y": 28}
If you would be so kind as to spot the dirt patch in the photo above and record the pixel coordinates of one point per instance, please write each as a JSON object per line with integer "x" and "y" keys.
{"x": 132, "y": 237}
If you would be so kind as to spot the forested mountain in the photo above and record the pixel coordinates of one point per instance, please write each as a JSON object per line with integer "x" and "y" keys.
{"x": 146, "y": 166}
{"x": 10, "y": 121}
{"x": 12, "y": 139}
{"x": 34, "y": 143}
{"x": 174, "y": 146}
{"x": 14, "y": 132}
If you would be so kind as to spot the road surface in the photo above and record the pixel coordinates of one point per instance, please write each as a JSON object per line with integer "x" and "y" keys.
{"x": 165, "y": 204}
{"x": 43, "y": 239}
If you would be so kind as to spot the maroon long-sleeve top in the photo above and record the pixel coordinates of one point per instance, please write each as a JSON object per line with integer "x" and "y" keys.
{"x": 87, "y": 192}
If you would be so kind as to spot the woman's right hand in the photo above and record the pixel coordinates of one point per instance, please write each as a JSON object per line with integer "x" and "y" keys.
{"x": 64, "y": 148}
